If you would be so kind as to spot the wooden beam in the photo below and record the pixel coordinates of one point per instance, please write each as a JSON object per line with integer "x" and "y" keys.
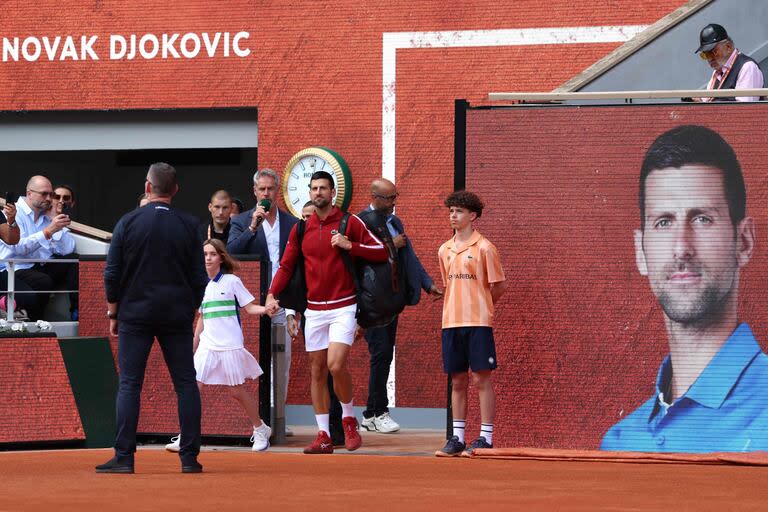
{"x": 82, "y": 229}
{"x": 633, "y": 45}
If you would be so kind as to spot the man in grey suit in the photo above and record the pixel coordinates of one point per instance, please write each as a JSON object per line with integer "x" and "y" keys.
{"x": 264, "y": 232}
{"x": 381, "y": 340}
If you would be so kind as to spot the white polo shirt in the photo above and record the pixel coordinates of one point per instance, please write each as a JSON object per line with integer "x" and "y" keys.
{"x": 224, "y": 296}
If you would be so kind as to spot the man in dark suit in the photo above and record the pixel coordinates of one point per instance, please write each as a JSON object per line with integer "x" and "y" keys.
{"x": 381, "y": 340}
{"x": 264, "y": 233}
{"x": 155, "y": 280}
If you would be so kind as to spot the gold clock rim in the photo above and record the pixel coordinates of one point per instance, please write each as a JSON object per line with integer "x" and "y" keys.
{"x": 341, "y": 184}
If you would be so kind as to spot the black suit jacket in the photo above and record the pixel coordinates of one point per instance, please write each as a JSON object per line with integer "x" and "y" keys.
{"x": 155, "y": 268}
{"x": 242, "y": 241}
{"x": 416, "y": 277}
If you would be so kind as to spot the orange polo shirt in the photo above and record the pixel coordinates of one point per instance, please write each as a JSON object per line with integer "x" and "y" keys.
{"x": 467, "y": 276}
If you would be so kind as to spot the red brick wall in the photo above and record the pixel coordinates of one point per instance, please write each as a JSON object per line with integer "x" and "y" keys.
{"x": 315, "y": 74}
{"x": 579, "y": 334}
{"x": 37, "y": 403}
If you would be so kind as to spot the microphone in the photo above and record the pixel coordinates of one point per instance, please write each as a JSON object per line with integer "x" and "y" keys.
{"x": 266, "y": 204}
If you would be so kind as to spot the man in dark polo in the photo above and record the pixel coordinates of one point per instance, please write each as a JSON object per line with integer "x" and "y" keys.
{"x": 155, "y": 280}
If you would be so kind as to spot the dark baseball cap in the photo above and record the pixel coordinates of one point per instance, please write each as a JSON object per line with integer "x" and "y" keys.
{"x": 710, "y": 36}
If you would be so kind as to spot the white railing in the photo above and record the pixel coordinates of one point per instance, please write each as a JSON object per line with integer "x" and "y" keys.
{"x": 10, "y": 267}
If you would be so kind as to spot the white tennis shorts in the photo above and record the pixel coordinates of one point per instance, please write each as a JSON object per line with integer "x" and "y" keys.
{"x": 322, "y": 327}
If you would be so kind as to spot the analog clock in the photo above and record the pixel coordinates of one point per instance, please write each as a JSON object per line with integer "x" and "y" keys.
{"x": 300, "y": 168}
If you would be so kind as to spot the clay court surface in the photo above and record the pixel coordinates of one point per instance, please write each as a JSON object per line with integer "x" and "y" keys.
{"x": 393, "y": 473}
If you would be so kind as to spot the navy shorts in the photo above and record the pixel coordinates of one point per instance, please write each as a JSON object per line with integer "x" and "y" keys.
{"x": 468, "y": 347}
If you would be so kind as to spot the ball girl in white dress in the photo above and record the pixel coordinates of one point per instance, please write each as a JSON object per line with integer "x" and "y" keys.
{"x": 220, "y": 356}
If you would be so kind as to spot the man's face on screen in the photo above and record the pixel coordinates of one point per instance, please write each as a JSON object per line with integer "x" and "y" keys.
{"x": 689, "y": 248}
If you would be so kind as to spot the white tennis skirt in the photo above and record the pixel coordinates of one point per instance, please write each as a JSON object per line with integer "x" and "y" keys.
{"x": 225, "y": 367}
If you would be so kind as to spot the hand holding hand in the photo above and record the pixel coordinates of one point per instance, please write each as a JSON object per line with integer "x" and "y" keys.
{"x": 341, "y": 241}
{"x": 399, "y": 241}
{"x": 271, "y": 305}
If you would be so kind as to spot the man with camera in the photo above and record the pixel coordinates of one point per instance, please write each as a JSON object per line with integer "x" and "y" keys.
{"x": 44, "y": 235}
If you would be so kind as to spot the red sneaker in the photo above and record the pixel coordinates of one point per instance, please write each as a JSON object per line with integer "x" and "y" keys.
{"x": 352, "y": 439}
{"x": 321, "y": 444}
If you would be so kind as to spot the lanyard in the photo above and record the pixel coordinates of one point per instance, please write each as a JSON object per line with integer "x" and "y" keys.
{"x": 728, "y": 67}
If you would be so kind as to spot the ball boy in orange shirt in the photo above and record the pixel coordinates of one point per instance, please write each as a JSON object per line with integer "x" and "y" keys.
{"x": 474, "y": 280}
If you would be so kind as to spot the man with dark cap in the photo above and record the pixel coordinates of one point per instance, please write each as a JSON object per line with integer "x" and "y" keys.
{"x": 732, "y": 69}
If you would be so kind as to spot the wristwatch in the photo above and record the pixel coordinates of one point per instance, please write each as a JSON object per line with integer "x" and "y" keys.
{"x": 13, "y": 224}
{"x": 111, "y": 316}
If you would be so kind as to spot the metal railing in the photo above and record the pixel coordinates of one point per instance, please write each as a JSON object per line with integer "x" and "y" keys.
{"x": 10, "y": 267}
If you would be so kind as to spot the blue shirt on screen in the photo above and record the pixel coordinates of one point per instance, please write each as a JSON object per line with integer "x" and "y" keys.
{"x": 725, "y": 410}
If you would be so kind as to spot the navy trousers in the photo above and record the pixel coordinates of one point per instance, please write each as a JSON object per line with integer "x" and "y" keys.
{"x": 381, "y": 347}
{"x": 134, "y": 345}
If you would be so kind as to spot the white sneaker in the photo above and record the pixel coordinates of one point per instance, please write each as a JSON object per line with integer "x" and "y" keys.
{"x": 174, "y": 445}
{"x": 260, "y": 437}
{"x": 369, "y": 424}
{"x": 385, "y": 424}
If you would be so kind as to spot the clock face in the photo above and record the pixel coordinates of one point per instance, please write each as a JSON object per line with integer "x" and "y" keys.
{"x": 299, "y": 170}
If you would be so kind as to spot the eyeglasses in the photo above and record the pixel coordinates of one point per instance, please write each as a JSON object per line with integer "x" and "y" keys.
{"x": 709, "y": 53}
{"x": 44, "y": 194}
{"x": 386, "y": 198}
{"x": 61, "y": 197}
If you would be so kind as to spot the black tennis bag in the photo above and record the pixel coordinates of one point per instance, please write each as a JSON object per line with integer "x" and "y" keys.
{"x": 294, "y": 296}
{"x": 381, "y": 292}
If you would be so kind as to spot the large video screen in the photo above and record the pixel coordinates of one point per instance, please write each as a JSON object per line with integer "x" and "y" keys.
{"x": 632, "y": 240}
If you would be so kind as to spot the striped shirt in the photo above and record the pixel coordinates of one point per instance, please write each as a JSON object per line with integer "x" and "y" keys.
{"x": 467, "y": 276}
{"x": 224, "y": 295}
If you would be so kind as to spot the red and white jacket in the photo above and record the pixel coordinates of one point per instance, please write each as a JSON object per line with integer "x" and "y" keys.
{"x": 329, "y": 283}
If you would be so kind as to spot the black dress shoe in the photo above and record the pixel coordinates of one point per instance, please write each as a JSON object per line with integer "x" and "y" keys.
{"x": 191, "y": 467}
{"x": 113, "y": 465}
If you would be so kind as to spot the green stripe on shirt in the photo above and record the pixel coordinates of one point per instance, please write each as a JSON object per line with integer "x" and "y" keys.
{"x": 219, "y": 314}
{"x": 217, "y": 303}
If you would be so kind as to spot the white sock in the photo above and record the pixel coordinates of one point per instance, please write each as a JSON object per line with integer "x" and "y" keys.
{"x": 323, "y": 422}
{"x": 458, "y": 429}
{"x": 347, "y": 411}
{"x": 260, "y": 427}
{"x": 486, "y": 430}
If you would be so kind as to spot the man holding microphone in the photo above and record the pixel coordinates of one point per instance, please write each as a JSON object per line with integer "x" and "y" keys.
{"x": 263, "y": 230}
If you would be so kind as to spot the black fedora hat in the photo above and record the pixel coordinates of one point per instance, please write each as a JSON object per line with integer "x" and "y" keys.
{"x": 710, "y": 36}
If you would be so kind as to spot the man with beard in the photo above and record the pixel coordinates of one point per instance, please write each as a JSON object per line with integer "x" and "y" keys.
{"x": 44, "y": 236}
{"x": 331, "y": 303}
{"x": 693, "y": 240}
{"x": 731, "y": 69}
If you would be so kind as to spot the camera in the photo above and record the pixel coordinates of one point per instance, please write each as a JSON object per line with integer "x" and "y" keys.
{"x": 11, "y": 197}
